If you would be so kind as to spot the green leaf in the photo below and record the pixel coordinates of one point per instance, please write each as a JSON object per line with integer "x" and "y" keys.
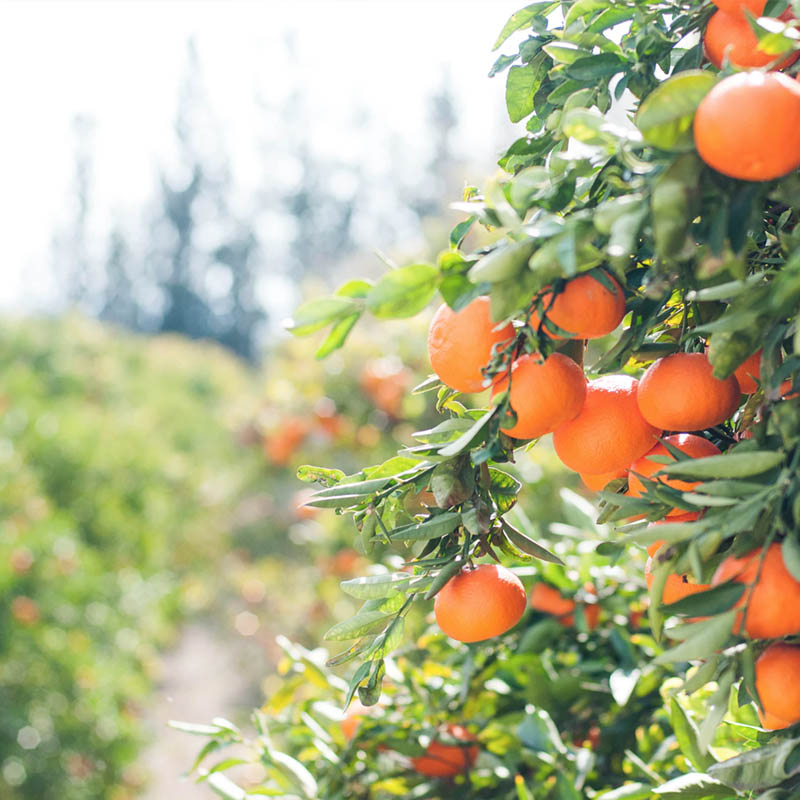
{"x": 375, "y": 586}
{"x": 729, "y": 465}
{"x": 628, "y": 791}
{"x": 666, "y": 114}
{"x": 595, "y": 67}
{"x": 713, "y": 601}
{"x": 452, "y": 482}
{"x": 461, "y": 230}
{"x": 565, "y": 53}
{"x": 761, "y": 768}
{"x": 521, "y": 86}
{"x": 527, "y": 545}
{"x": 468, "y": 438}
{"x": 316, "y": 314}
{"x": 195, "y": 729}
{"x": 790, "y": 550}
{"x": 359, "y": 625}
{"x": 504, "y": 489}
{"x": 504, "y": 262}
{"x": 337, "y": 336}
{"x": 443, "y": 576}
{"x": 687, "y": 735}
{"x": 693, "y": 786}
{"x": 431, "y": 528}
{"x": 519, "y": 20}
{"x": 225, "y": 787}
{"x": 713, "y": 637}
{"x": 310, "y": 474}
{"x": 403, "y": 292}
{"x": 356, "y": 288}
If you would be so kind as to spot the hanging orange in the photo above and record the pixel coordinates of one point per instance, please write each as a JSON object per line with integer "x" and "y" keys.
{"x": 443, "y": 760}
{"x": 460, "y": 344}
{"x": 730, "y": 36}
{"x": 610, "y": 432}
{"x": 585, "y": 309}
{"x": 748, "y": 126}
{"x": 480, "y": 603}
{"x": 778, "y": 686}
{"x": 543, "y": 395}
{"x": 774, "y": 602}
{"x": 679, "y": 392}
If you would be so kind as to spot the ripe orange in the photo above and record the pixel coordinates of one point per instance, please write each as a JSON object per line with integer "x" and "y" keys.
{"x": 730, "y": 35}
{"x": 460, "y": 344}
{"x": 755, "y": 7}
{"x": 549, "y": 600}
{"x": 778, "y": 686}
{"x": 774, "y": 602}
{"x": 679, "y": 392}
{"x": 543, "y": 396}
{"x": 748, "y": 126}
{"x": 610, "y": 432}
{"x": 480, "y": 603}
{"x": 385, "y": 381}
{"x": 694, "y": 446}
{"x": 677, "y": 586}
{"x": 748, "y": 373}
{"x": 282, "y": 444}
{"x": 585, "y": 308}
{"x": 598, "y": 482}
{"x": 352, "y": 718}
{"x": 446, "y": 760}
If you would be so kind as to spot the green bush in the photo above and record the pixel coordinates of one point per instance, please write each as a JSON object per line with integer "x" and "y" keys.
{"x": 119, "y": 472}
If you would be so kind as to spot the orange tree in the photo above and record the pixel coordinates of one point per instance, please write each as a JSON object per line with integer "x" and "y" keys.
{"x": 642, "y": 289}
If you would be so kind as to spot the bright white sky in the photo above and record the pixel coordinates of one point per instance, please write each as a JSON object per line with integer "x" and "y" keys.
{"x": 122, "y": 61}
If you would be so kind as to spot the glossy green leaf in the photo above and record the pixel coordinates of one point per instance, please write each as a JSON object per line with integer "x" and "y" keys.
{"x": 665, "y": 116}
{"x": 729, "y": 465}
{"x": 403, "y": 292}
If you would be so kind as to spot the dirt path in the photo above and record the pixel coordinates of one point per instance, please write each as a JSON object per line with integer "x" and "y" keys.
{"x": 203, "y": 678}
